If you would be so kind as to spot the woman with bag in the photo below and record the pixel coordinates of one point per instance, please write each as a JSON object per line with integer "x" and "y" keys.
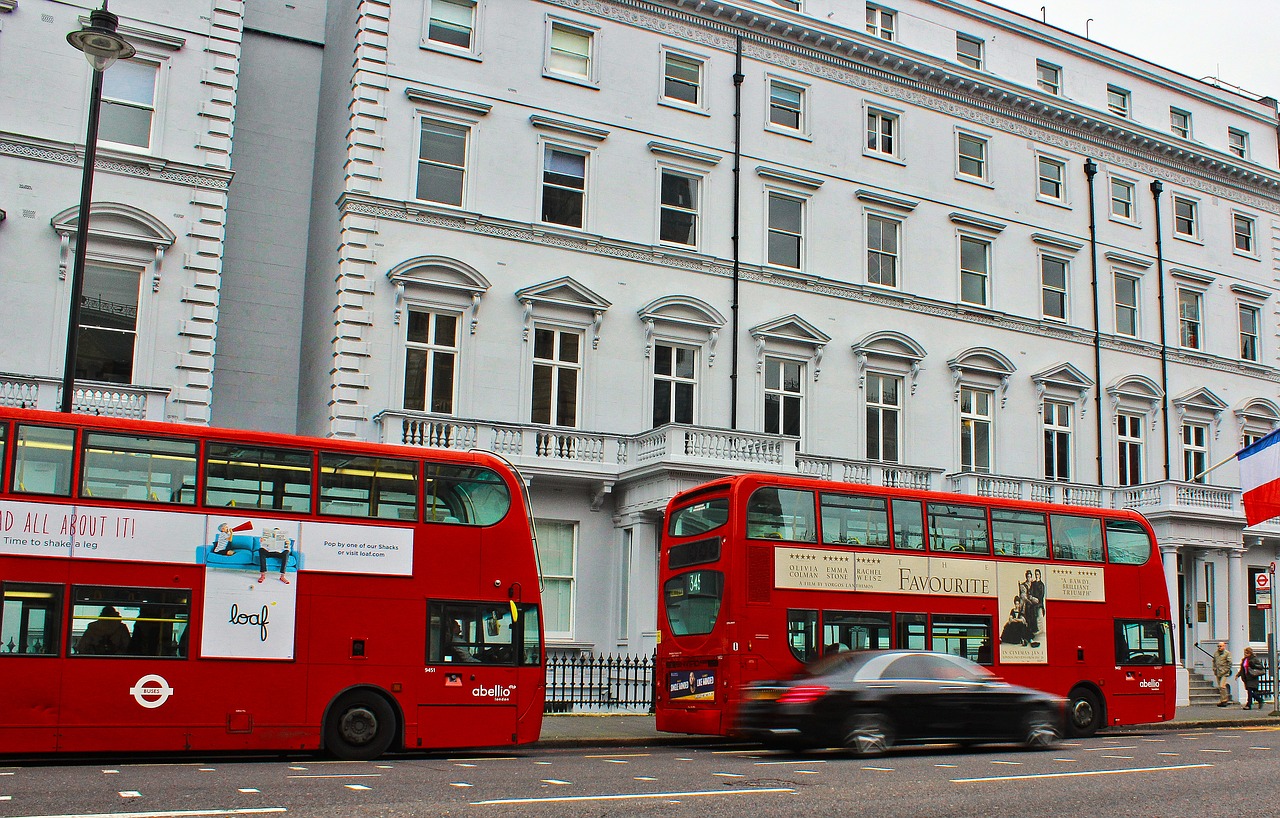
{"x": 1249, "y": 673}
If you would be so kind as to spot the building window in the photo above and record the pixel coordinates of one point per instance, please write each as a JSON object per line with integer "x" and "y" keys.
{"x": 1118, "y": 101}
{"x": 678, "y": 210}
{"x": 1258, "y": 616}
{"x": 1249, "y": 333}
{"x": 442, "y": 162}
{"x": 1049, "y": 78}
{"x": 1057, "y": 440}
{"x": 969, "y": 51}
{"x": 882, "y": 133}
{"x": 1184, "y": 217}
{"x": 1195, "y": 451}
{"x": 564, "y": 187}
{"x": 1189, "y": 311}
{"x": 884, "y": 418}
{"x": 128, "y": 103}
{"x": 1238, "y": 143}
{"x": 971, "y": 156}
{"x": 881, "y": 22}
{"x": 1053, "y": 288}
{"x": 975, "y": 262}
{"x": 569, "y": 52}
{"x": 108, "y": 324}
{"x": 786, "y": 223}
{"x": 1126, "y": 305}
{"x": 557, "y": 371}
{"x": 430, "y": 362}
{"x": 1052, "y": 175}
{"x": 557, "y": 547}
{"x": 1129, "y": 449}
{"x": 452, "y": 23}
{"x": 1122, "y": 192}
{"x": 882, "y": 251}
{"x": 682, "y": 79}
{"x": 1180, "y": 123}
{"x": 783, "y": 396}
{"x": 786, "y": 105}
{"x": 975, "y": 430}
{"x": 1242, "y": 226}
{"x": 675, "y": 384}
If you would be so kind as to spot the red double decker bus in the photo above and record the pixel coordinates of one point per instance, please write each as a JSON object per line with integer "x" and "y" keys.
{"x": 171, "y": 587}
{"x": 761, "y": 574}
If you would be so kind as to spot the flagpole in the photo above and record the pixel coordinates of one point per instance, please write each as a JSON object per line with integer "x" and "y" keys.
{"x": 1224, "y": 461}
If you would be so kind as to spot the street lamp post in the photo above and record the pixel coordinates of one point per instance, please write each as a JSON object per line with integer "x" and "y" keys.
{"x": 102, "y": 46}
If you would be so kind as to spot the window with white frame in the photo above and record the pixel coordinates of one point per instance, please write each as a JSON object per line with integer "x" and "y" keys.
{"x": 1180, "y": 123}
{"x": 783, "y": 396}
{"x": 1129, "y": 449}
{"x": 976, "y": 429}
{"x": 1053, "y": 288}
{"x": 881, "y": 22}
{"x": 108, "y": 334}
{"x": 786, "y": 105}
{"x": 1049, "y": 78}
{"x": 1122, "y": 199}
{"x": 128, "y": 103}
{"x": 786, "y": 230}
{"x": 1118, "y": 101}
{"x": 564, "y": 186}
{"x": 969, "y": 51}
{"x": 1126, "y": 305}
{"x": 1190, "y": 309}
{"x": 1195, "y": 451}
{"x": 678, "y": 208}
{"x": 1057, "y": 440}
{"x": 557, "y": 556}
{"x": 682, "y": 78}
{"x": 882, "y": 132}
{"x": 971, "y": 156}
{"x": 431, "y": 361}
{"x": 1051, "y": 175}
{"x": 884, "y": 417}
{"x": 675, "y": 384}
{"x": 569, "y": 51}
{"x": 442, "y": 162}
{"x": 1249, "y": 316}
{"x": 1243, "y": 228}
{"x": 451, "y": 23}
{"x": 1238, "y": 143}
{"x": 882, "y": 251}
{"x": 975, "y": 268}
{"x": 1184, "y": 217}
{"x": 557, "y": 376}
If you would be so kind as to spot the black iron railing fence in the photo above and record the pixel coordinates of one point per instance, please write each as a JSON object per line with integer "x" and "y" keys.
{"x": 599, "y": 683}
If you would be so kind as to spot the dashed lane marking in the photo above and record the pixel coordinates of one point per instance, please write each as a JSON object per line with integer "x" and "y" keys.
{"x": 186, "y": 813}
{"x": 635, "y": 796}
{"x": 879, "y": 769}
{"x": 130, "y": 794}
{"x": 357, "y": 787}
{"x": 556, "y": 781}
{"x": 1079, "y": 774}
{"x": 339, "y": 775}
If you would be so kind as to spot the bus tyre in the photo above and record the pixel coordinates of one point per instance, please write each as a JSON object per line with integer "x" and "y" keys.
{"x": 868, "y": 733}
{"x": 1040, "y": 730}
{"x": 1084, "y": 712}
{"x": 360, "y": 726}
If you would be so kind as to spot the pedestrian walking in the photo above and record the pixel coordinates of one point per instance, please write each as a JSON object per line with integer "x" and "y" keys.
{"x": 1250, "y": 672}
{"x": 1222, "y": 666}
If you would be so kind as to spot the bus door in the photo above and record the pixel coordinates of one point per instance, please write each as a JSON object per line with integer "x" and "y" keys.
{"x": 30, "y": 672}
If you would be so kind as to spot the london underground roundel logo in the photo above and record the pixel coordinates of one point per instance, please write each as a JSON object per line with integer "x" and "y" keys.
{"x": 151, "y": 691}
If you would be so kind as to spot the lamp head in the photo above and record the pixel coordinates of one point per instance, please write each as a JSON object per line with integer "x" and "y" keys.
{"x": 101, "y": 45}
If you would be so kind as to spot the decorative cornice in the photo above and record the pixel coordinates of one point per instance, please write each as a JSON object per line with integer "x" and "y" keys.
{"x": 885, "y": 200}
{"x": 1057, "y": 242}
{"x": 1127, "y": 260}
{"x": 1250, "y": 292}
{"x": 546, "y": 123}
{"x": 445, "y": 101}
{"x": 787, "y": 177}
{"x": 1192, "y": 276}
{"x": 976, "y": 223}
{"x": 117, "y": 162}
{"x": 680, "y": 152}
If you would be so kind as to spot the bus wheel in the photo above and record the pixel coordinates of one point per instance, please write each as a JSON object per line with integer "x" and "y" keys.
{"x": 1084, "y": 712}
{"x": 868, "y": 733}
{"x": 361, "y": 725}
{"x": 1040, "y": 731}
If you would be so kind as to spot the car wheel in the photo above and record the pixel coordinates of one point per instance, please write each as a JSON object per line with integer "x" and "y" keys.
{"x": 1085, "y": 712}
{"x": 1040, "y": 730}
{"x": 361, "y": 726}
{"x": 868, "y": 733}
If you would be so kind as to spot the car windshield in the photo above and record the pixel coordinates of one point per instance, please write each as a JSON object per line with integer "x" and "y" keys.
{"x": 870, "y": 665}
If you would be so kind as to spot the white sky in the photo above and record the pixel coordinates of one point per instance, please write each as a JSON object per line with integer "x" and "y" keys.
{"x": 1234, "y": 40}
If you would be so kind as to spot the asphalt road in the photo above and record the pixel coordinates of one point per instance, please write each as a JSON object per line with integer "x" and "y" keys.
{"x": 1203, "y": 772}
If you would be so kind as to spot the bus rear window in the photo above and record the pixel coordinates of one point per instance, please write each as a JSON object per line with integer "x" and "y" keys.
{"x": 698, "y": 518}
{"x": 1127, "y": 543}
{"x": 781, "y": 514}
{"x": 693, "y": 602}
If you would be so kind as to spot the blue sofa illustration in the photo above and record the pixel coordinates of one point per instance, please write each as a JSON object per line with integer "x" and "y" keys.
{"x": 245, "y": 548}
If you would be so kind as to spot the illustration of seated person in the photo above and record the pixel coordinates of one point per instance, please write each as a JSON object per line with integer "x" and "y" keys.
{"x": 273, "y": 545}
{"x": 1015, "y": 631}
{"x": 453, "y": 640}
{"x": 222, "y": 541}
{"x": 105, "y": 636}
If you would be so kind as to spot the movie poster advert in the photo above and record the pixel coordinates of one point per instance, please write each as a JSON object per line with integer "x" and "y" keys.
{"x": 247, "y": 616}
{"x": 1023, "y": 613}
{"x": 691, "y": 685}
{"x": 358, "y": 549}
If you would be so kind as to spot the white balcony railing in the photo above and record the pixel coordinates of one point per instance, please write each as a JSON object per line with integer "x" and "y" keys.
{"x": 90, "y": 398}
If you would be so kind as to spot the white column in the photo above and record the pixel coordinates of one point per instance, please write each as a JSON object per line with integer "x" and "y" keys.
{"x": 644, "y": 580}
{"x": 1169, "y": 556}
{"x": 1237, "y": 611}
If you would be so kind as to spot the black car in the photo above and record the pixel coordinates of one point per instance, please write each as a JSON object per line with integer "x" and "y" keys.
{"x": 867, "y": 701}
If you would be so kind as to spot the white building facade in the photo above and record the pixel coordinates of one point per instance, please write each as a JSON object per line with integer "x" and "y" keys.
{"x": 635, "y": 244}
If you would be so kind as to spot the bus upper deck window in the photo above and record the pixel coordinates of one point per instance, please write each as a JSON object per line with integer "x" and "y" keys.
{"x": 143, "y": 469}
{"x": 464, "y": 495}
{"x": 257, "y": 477}
{"x": 357, "y": 486}
{"x": 698, "y": 518}
{"x": 781, "y": 514}
{"x": 1127, "y": 543}
{"x": 1076, "y": 538}
{"x": 42, "y": 460}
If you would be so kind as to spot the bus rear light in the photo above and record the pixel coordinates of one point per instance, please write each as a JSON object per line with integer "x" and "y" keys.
{"x": 803, "y": 694}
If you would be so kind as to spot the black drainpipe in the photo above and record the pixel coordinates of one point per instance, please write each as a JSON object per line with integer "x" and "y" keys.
{"x": 1091, "y": 170}
{"x": 1156, "y": 189}
{"x": 738, "y": 78}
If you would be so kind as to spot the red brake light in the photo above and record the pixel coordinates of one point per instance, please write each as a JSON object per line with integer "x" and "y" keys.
{"x": 803, "y": 694}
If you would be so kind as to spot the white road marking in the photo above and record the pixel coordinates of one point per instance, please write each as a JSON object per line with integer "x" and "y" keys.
{"x": 384, "y": 766}
{"x": 338, "y": 775}
{"x": 620, "y": 755}
{"x": 463, "y": 764}
{"x": 492, "y": 758}
{"x": 1068, "y": 760}
{"x": 460, "y": 784}
{"x": 1109, "y": 748}
{"x": 250, "y": 789}
{"x": 1168, "y": 754}
{"x": 1154, "y": 740}
{"x": 556, "y": 781}
{"x": 110, "y": 772}
{"x": 207, "y": 770}
{"x": 297, "y": 768}
{"x": 1082, "y": 773}
{"x": 1207, "y": 750}
{"x": 357, "y": 787}
{"x": 645, "y": 778}
{"x": 616, "y": 761}
{"x": 1259, "y": 748}
{"x": 799, "y": 761}
{"x": 730, "y": 775}
{"x": 1012, "y": 763}
{"x": 946, "y": 765}
{"x": 806, "y": 772}
{"x": 130, "y": 794}
{"x": 636, "y": 796}
{"x": 548, "y": 763}
{"x": 1122, "y": 758}
{"x": 879, "y": 769}
{"x": 187, "y": 813}
{"x": 6, "y": 797}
